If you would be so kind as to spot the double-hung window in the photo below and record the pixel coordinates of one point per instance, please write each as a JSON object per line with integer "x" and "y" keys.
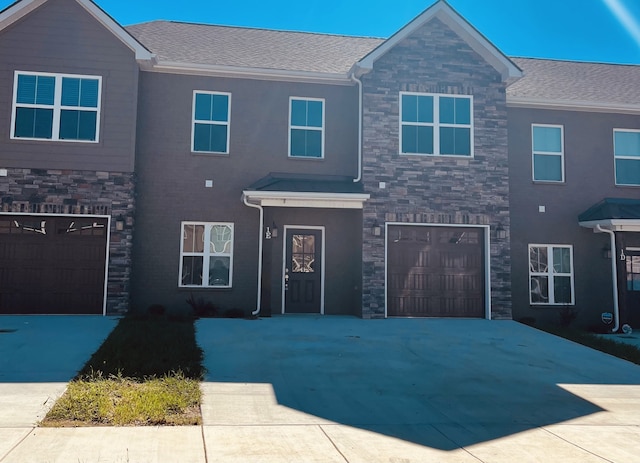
{"x": 57, "y": 107}
{"x": 626, "y": 149}
{"x": 211, "y": 116}
{"x": 550, "y": 274}
{"x": 206, "y": 255}
{"x": 306, "y": 128}
{"x": 548, "y": 153}
{"x": 436, "y": 124}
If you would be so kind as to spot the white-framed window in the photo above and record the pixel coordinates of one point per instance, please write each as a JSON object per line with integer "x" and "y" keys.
{"x": 626, "y": 150}
{"x": 206, "y": 255}
{"x": 548, "y": 152}
{"x": 56, "y": 107}
{"x": 436, "y": 124}
{"x": 306, "y": 128}
{"x": 210, "y": 124}
{"x": 551, "y": 274}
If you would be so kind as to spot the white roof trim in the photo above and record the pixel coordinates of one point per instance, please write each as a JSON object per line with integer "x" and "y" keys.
{"x": 250, "y": 73}
{"x": 568, "y": 105}
{"x": 24, "y": 7}
{"x": 306, "y": 199}
{"x": 446, "y": 14}
{"x": 617, "y": 225}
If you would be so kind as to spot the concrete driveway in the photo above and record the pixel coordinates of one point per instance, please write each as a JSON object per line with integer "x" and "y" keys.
{"x": 402, "y": 390}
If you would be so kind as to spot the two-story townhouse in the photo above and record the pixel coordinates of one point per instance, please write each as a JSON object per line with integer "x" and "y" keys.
{"x": 68, "y": 102}
{"x": 574, "y": 144}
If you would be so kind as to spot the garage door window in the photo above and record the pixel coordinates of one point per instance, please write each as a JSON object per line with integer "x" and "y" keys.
{"x": 550, "y": 274}
{"x": 206, "y": 255}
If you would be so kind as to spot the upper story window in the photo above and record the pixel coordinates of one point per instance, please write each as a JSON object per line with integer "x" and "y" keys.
{"x": 206, "y": 255}
{"x": 436, "y": 124}
{"x": 211, "y": 115}
{"x": 58, "y": 107}
{"x": 548, "y": 153}
{"x": 550, "y": 274}
{"x": 306, "y": 128}
{"x": 626, "y": 149}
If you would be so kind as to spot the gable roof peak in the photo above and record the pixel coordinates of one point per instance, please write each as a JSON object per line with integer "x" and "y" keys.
{"x": 449, "y": 16}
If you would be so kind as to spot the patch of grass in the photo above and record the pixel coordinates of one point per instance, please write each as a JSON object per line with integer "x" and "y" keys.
{"x": 609, "y": 346}
{"x": 147, "y": 372}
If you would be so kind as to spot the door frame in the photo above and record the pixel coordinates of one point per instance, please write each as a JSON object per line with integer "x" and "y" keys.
{"x": 107, "y": 243}
{"x": 487, "y": 259}
{"x": 322, "y": 261}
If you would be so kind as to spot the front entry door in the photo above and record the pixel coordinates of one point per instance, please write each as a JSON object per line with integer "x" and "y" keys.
{"x": 303, "y": 271}
{"x": 631, "y": 291}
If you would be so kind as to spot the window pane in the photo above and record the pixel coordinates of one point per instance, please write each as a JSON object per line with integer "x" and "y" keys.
{"x": 204, "y": 107}
{"x": 561, "y": 260}
{"x": 26, "y": 89}
{"x": 309, "y": 244}
{"x": 425, "y": 109}
{"x": 409, "y": 139}
{"x": 627, "y": 172}
{"x": 299, "y": 113}
{"x": 455, "y": 141}
{"x": 77, "y": 125}
{"x": 547, "y": 139}
{"x": 425, "y": 140}
{"x": 314, "y": 113}
{"x": 447, "y": 110}
{"x": 220, "y": 239}
{"x": 538, "y": 261}
{"x": 547, "y": 167}
{"x": 89, "y": 93}
{"x": 219, "y": 271}
{"x": 627, "y": 143}
{"x": 562, "y": 290}
{"x": 463, "y": 111}
{"x": 210, "y": 138}
{"x": 191, "y": 270}
{"x": 539, "y": 289}
{"x": 314, "y": 143}
{"x": 34, "y": 123}
{"x": 45, "y": 90}
{"x": 409, "y": 108}
{"x": 220, "y": 108}
{"x": 193, "y": 238}
{"x": 306, "y": 143}
{"x": 70, "y": 92}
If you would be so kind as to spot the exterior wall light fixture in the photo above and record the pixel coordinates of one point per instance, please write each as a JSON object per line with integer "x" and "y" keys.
{"x": 376, "y": 229}
{"x": 501, "y": 233}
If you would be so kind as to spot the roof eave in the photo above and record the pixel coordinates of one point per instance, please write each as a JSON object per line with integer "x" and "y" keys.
{"x": 250, "y": 72}
{"x": 306, "y": 199}
{"x": 509, "y": 71}
{"x": 617, "y": 225}
{"x": 22, "y": 8}
{"x": 569, "y": 105}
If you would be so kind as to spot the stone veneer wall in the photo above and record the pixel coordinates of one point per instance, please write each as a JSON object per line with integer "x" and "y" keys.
{"x": 427, "y": 189}
{"x": 37, "y": 191}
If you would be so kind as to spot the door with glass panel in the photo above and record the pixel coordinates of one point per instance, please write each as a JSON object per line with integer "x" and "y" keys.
{"x": 631, "y": 291}
{"x": 303, "y": 272}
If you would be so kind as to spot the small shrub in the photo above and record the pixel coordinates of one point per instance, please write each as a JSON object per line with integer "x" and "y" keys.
{"x": 201, "y": 307}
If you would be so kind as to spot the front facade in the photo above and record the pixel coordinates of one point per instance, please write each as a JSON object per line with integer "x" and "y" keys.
{"x": 287, "y": 173}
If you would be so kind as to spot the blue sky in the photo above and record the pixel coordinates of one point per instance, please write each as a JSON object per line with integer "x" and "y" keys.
{"x": 583, "y": 30}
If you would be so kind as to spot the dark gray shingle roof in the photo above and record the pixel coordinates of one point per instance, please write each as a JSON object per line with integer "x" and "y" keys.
{"x": 307, "y": 183}
{"x": 612, "y": 208}
{"x": 202, "y": 44}
{"x": 571, "y": 81}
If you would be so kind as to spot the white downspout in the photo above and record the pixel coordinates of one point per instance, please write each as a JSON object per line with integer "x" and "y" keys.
{"x": 614, "y": 277}
{"x": 359, "y": 82}
{"x": 256, "y": 206}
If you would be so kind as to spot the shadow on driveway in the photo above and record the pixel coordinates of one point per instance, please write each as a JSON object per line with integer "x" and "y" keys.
{"x": 439, "y": 383}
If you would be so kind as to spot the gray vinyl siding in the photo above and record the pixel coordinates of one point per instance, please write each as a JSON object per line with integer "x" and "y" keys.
{"x": 172, "y": 186}
{"x": 589, "y": 178}
{"x": 62, "y": 37}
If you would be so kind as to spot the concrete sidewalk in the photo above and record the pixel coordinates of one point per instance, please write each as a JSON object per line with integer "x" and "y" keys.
{"x": 325, "y": 389}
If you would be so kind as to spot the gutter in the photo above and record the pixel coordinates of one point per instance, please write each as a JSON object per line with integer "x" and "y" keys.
{"x": 359, "y": 82}
{"x": 246, "y": 202}
{"x": 614, "y": 277}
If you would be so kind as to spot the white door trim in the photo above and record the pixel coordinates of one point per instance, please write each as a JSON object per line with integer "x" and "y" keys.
{"x": 487, "y": 258}
{"x": 107, "y": 244}
{"x": 322, "y": 261}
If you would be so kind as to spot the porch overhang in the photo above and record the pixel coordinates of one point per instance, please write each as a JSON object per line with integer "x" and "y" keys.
{"x": 306, "y": 191}
{"x": 615, "y": 214}
{"x": 306, "y": 199}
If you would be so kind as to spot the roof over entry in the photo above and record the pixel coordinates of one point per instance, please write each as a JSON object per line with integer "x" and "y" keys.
{"x": 617, "y": 214}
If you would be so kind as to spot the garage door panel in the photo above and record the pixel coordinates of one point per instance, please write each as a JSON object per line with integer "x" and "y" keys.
{"x": 435, "y": 271}
{"x": 52, "y": 264}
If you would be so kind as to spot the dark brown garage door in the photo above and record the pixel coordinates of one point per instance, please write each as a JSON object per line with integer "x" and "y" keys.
{"x": 52, "y": 265}
{"x": 435, "y": 272}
